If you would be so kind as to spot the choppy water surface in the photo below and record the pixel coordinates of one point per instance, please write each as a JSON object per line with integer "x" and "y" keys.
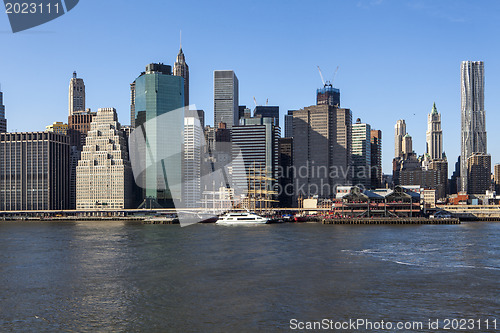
{"x": 114, "y": 276}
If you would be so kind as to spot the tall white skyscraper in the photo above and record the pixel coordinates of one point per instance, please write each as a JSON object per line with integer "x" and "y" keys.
{"x": 472, "y": 114}
{"x": 434, "y": 134}
{"x": 226, "y": 103}
{"x": 191, "y": 166}
{"x": 400, "y": 132}
{"x": 103, "y": 174}
{"x": 76, "y": 94}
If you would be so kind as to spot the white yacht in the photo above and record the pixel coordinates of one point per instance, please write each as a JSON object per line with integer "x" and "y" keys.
{"x": 241, "y": 218}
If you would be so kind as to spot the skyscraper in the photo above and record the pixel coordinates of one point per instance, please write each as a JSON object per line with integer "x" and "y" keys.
{"x": 78, "y": 126}
{"x": 376, "y": 158}
{"x": 268, "y": 112}
{"x": 226, "y": 103}
{"x": 103, "y": 174}
{"x": 400, "y": 132}
{"x": 192, "y": 154}
{"x": 3, "y": 121}
{"x": 76, "y": 94}
{"x": 159, "y": 119}
{"x": 407, "y": 145}
{"x": 328, "y": 95}
{"x": 289, "y": 124}
{"x": 472, "y": 115}
{"x": 434, "y": 134}
{"x": 479, "y": 173}
{"x": 361, "y": 153}
{"x": 497, "y": 177}
{"x": 322, "y": 150}
{"x": 181, "y": 69}
{"x": 257, "y": 139}
{"x": 34, "y": 171}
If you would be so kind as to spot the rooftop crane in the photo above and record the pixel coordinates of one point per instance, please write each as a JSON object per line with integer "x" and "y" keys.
{"x": 321, "y": 74}
{"x": 327, "y": 83}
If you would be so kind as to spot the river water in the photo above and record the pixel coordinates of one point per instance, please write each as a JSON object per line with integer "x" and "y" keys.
{"x": 116, "y": 276}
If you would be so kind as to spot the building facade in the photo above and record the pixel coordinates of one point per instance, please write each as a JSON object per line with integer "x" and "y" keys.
{"x": 181, "y": 69}
{"x": 497, "y": 178}
{"x": 285, "y": 172}
{"x": 434, "y": 135}
{"x": 400, "y": 132}
{"x": 478, "y": 173}
{"x": 257, "y": 139}
{"x": 103, "y": 174}
{"x": 361, "y": 154}
{"x": 34, "y": 171}
{"x": 268, "y": 112}
{"x": 289, "y": 124}
{"x": 159, "y": 119}
{"x": 76, "y": 94}
{"x": 473, "y": 122}
{"x": 192, "y": 155}
{"x": 322, "y": 150}
{"x": 376, "y": 158}
{"x": 78, "y": 126}
{"x": 328, "y": 95}
{"x": 3, "y": 120}
{"x": 58, "y": 127}
{"x": 226, "y": 102}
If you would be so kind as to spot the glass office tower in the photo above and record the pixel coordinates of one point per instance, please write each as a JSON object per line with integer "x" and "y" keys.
{"x": 156, "y": 142}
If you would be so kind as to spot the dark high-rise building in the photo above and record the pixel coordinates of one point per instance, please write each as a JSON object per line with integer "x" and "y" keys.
{"x": 257, "y": 140}
{"x": 76, "y": 94}
{"x": 322, "y": 150}
{"x": 376, "y": 158}
{"x": 132, "y": 105}
{"x": 181, "y": 69}
{"x": 244, "y": 112}
{"x": 226, "y": 106}
{"x": 472, "y": 115}
{"x": 262, "y": 111}
{"x": 34, "y": 171}
{"x": 289, "y": 124}
{"x": 159, "y": 119}
{"x": 285, "y": 172}
{"x": 479, "y": 173}
{"x": 441, "y": 166}
{"x": 328, "y": 95}
{"x": 454, "y": 185}
{"x": 222, "y": 136}
{"x": 3, "y": 120}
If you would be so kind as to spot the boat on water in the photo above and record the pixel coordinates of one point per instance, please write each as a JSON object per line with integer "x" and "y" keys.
{"x": 242, "y": 218}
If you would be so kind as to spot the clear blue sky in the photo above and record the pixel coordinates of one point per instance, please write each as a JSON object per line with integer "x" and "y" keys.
{"x": 396, "y": 58}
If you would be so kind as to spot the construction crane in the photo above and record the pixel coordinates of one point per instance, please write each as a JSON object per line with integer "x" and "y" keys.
{"x": 321, "y": 74}
{"x": 327, "y": 83}
{"x": 335, "y": 74}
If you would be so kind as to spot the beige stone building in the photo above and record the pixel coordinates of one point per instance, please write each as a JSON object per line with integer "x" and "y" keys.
{"x": 103, "y": 174}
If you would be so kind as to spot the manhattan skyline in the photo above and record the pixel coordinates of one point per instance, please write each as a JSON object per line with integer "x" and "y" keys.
{"x": 395, "y": 58}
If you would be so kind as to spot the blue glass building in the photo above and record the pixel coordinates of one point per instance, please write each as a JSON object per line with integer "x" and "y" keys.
{"x": 158, "y": 104}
